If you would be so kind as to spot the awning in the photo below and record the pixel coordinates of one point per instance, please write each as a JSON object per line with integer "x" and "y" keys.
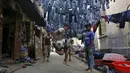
{"x": 32, "y": 12}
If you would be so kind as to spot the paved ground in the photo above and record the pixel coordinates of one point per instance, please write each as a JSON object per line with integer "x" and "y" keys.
{"x": 56, "y": 66}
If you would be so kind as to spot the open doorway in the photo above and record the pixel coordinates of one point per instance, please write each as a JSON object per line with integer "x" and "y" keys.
{"x": 8, "y": 33}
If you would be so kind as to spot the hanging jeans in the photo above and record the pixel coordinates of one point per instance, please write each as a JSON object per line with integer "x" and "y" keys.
{"x": 90, "y": 2}
{"x": 89, "y": 57}
{"x": 107, "y": 4}
{"x": 103, "y": 5}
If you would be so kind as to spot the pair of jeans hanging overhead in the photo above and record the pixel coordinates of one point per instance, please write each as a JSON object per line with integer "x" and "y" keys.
{"x": 107, "y": 4}
{"x": 55, "y": 4}
{"x": 74, "y": 19}
{"x": 103, "y": 5}
{"x": 69, "y": 5}
{"x": 45, "y": 4}
{"x": 55, "y": 17}
{"x": 64, "y": 7}
{"x": 122, "y": 20}
{"x": 84, "y": 9}
{"x": 128, "y": 16}
{"x": 115, "y": 18}
{"x": 64, "y": 18}
{"x": 97, "y": 3}
{"x": 103, "y": 2}
{"x": 74, "y": 6}
{"x": 91, "y": 2}
{"x": 70, "y": 17}
{"x": 51, "y": 13}
{"x": 50, "y": 2}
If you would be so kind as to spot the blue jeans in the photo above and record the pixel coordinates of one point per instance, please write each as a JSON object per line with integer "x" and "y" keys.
{"x": 103, "y": 5}
{"x": 90, "y": 58}
{"x": 90, "y": 61}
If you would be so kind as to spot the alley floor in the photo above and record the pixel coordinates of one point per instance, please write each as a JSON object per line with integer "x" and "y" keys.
{"x": 56, "y": 66}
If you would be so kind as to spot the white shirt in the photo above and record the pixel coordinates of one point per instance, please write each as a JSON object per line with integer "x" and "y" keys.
{"x": 62, "y": 33}
{"x": 62, "y": 30}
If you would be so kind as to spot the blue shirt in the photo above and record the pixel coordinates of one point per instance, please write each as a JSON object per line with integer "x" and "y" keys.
{"x": 88, "y": 37}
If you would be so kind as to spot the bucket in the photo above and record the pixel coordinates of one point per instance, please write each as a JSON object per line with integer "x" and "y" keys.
{"x": 122, "y": 67}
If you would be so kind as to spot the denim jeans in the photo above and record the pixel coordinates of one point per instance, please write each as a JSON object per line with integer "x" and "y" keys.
{"x": 97, "y": 3}
{"x": 90, "y": 59}
{"x": 103, "y": 5}
{"x": 107, "y": 4}
{"x": 45, "y": 4}
{"x": 59, "y": 11}
{"x": 90, "y": 2}
{"x": 69, "y": 5}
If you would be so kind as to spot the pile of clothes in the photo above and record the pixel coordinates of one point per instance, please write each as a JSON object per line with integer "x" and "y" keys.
{"x": 98, "y": 55}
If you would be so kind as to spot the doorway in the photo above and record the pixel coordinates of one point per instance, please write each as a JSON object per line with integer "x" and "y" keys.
{"x": 8, "y": 33}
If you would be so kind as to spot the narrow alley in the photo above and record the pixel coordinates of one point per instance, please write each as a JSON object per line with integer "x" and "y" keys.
{"x": 56, "y": 66}
{"x": 64, "y": 36}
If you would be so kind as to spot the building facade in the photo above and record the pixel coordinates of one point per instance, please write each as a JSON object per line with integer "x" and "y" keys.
{"x": 110, "y": 37}
{"x": 17, "y": 26}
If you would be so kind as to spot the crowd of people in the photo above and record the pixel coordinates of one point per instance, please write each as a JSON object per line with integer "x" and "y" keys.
{"x": 65, "y": 47}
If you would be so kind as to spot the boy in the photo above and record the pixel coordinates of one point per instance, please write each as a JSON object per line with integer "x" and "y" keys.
{"x": 47, "y": 46}
{"x": 88, "y": 38}
{"x": 63, "y": 32}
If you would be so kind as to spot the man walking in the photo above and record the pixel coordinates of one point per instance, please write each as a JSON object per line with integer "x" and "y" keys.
{"x": 47, "y": 46}
{"x": 88, "y": 39}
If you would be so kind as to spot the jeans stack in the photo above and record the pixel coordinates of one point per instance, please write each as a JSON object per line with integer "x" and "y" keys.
{"x": 76, "y": 13}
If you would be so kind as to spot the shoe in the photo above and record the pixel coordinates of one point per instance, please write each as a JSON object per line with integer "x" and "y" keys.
{"x": 43, "y": 60}
{"x": 48, "y": 60}
{"x": 69, "y": 59}
{"x": 89, "y": 70}
{"x": 66, "y": 63}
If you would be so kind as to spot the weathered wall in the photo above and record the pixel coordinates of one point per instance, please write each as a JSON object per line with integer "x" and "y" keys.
{"x": 116, "y": 38}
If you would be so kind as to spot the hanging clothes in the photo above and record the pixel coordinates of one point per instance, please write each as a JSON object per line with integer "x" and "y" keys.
{"x": 103, "y": 5}
{"x": 128, "y": 16}
{"x": 74, "y": 12}
{"x": 97, "y": 3}
{"x": 115, "y": 18}
{"x": 107, "y": 4}
{"x": 122, "y": 20}
{"x": 96, "y": 26}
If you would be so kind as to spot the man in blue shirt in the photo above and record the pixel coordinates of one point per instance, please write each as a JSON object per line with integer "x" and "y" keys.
{"x": 88, "y": 39}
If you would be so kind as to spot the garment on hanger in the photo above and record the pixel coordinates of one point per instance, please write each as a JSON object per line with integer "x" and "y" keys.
{"x": 115, "y": 18}
{"x": 107, "y": 4}
{"x": 103, "y": 5}
{"x": 128, "y": 16}
{"x": 122, "y": 20}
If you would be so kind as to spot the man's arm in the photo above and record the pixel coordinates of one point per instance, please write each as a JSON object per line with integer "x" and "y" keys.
{"x": 56, "y": 33}
{"x": 92, "y": 40}
{"x": 92, "y": 43}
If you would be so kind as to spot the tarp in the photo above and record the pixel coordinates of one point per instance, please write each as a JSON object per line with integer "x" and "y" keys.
{"x": 114, "y": 57}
